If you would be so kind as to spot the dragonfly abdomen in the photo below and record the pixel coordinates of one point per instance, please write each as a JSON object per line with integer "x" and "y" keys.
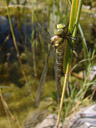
{"x": 58, "y": 72}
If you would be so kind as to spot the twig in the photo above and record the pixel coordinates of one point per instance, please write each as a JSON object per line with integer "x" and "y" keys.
{"x": 7, "y": 111}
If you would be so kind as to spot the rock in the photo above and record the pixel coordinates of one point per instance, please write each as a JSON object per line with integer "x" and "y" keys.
{"x": 49, "y": 122}
{"x": 41, "y": 120}
{"x": 85, "y": 118}
{"x": 35, "y": 118}
{"x": 92, "y": 73}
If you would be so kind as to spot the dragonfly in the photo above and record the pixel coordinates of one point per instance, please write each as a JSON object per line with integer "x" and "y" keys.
{"x": 57, "y": 41}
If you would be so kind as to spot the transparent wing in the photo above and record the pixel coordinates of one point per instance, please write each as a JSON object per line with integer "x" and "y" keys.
{"x": 43, "y": 78}
{"x": 45, "y": 36}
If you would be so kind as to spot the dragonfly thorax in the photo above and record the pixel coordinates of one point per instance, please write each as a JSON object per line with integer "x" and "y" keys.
{"x": 60, "y": 35}
{"x": 56, "y": 41}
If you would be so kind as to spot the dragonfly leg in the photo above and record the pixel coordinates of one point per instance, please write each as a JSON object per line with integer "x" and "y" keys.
{"x": 66, "y": 27}
{"x": 73, "y": 29}
{"x": 69, "y": 42}
{"x": 71, "y": 46}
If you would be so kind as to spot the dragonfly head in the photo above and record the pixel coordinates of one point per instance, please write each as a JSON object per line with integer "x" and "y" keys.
{"x": 61, "y": 30}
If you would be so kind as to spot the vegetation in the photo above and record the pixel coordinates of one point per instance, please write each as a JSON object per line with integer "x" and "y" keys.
{"x": 24, "y": 52}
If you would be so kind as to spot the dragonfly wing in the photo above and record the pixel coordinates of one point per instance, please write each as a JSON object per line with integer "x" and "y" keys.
{"x": 43, "y": 78}
{"x": 45, "y": 36}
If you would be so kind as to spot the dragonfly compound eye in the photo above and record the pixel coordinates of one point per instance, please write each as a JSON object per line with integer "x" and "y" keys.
{"x": 58, "y": 31}
{"x": 60, "y": 26}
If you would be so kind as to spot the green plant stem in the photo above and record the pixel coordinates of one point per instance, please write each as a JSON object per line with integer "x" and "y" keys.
{"x": 33, "y": 42}
{"x": 63, "y": 93}
{"x": 84, "y": 42}
{"x": 77, "y": 17}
